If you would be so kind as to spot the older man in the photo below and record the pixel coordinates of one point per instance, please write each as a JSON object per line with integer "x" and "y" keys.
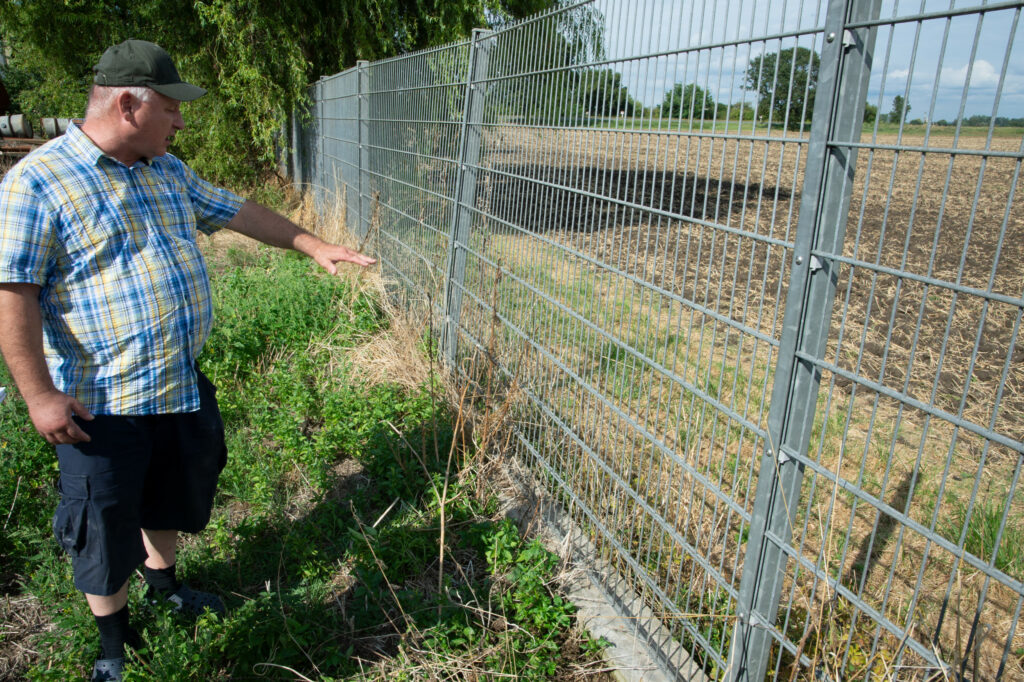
{"x": 104, "y": 306}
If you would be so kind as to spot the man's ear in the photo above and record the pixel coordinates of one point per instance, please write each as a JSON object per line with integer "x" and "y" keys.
{"x": 126, "y": 106}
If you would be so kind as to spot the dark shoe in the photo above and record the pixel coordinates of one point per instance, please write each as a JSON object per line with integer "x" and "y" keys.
{"x": 107, "y": 670}
{"x": 187, "y": 600}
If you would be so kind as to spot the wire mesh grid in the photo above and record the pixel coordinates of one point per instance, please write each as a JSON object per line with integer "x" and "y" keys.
{"x": 637, "y": 254}
{"x": 602, "y": 202}
{"x": 910, "y": 518}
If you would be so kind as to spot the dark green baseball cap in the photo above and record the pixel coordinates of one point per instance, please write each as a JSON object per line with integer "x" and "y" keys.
{"x": 140, "y": 62}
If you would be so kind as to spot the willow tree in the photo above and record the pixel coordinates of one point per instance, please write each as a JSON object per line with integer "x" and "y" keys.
{"x": 256, "y": 57}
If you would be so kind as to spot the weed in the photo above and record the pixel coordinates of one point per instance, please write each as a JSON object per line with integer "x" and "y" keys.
{"x": 329, "y": 523}
{"x": 983, "y": 532}
{"x": 28, "y": 470}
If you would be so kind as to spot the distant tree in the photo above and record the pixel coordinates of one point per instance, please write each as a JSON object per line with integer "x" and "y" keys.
{"x": 563, "y": 44}
{"x": 603, "y": 94}
{"x": 688, "y": 101}
{"x": 900, "y": 109}
{"x": 742, "y": 111}
{"x": 870, "y": 113}
{"x": 785, "y": 83}
{"x": 985, "y": 120}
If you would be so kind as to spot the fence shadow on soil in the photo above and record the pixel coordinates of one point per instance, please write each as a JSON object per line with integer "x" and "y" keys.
{"x": 541, "y": 198}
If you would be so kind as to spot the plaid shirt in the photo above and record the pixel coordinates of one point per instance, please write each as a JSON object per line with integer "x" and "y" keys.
{"x": 125, "y": 295}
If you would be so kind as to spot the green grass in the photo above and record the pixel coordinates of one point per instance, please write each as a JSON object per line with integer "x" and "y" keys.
{"x": 747, "y": 127}
{"x": 325, "y": 538}
{"x": 983, "y": 532}
{"x": 642, "y": 123}
{"x": 918, "y": 130}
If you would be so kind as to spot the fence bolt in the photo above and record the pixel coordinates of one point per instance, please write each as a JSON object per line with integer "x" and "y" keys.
{"x": 831, "y": 36}
{"x": 799, "y": 260}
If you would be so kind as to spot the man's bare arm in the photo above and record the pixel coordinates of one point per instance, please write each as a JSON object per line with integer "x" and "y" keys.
{"x": 22, "y": 346}
{"x": 262, "y": 224}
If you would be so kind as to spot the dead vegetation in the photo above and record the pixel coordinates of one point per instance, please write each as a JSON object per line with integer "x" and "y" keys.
{"x": 22, "y": 620}
{"x": 669, "y": 387}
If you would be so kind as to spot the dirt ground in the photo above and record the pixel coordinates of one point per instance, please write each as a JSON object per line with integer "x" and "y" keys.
{"x": 924, "y": 334}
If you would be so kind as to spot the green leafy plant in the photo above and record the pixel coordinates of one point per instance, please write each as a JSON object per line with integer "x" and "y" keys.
{"x": 327, "y": 529}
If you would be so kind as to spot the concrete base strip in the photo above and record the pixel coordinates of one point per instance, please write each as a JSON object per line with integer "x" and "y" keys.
{"x": 642, "y": 649}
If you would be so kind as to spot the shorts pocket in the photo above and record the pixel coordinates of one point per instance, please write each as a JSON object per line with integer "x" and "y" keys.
{"x": 71, "y": 520}
{"x": 210, "y": 426}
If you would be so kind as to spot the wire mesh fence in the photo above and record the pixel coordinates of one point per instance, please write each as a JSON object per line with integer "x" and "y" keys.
{"x": 755, "y": 327}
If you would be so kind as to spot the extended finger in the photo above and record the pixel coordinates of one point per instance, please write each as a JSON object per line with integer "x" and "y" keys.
{"x": 358, "y": 259}
{"x": 328, "y": 265}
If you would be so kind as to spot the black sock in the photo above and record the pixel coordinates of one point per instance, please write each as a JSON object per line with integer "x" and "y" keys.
{"x": 115, "y": 633}
{"x": 162, "y": 580}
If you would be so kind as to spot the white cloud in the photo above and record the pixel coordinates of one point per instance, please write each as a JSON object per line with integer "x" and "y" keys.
{"x": 982, "y": 75}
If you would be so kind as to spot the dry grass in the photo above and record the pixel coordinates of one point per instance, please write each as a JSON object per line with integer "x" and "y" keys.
{"x": 664, "y": 446}
{"x": 22, "y": 620}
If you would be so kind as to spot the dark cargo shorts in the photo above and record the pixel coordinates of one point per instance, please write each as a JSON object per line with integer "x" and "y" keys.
{"x": 157, "y": 472}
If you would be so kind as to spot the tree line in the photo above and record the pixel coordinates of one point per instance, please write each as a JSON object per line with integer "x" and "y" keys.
{"x": 258, "y": 58}
{"x": 784, "y": 86}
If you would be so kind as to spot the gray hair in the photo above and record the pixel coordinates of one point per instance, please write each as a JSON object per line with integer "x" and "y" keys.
{"x": 101, "y": 96}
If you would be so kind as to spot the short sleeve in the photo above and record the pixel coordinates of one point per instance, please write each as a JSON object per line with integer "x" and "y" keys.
{"x": 27, "y": 231}
{"x": 214, "y": 206}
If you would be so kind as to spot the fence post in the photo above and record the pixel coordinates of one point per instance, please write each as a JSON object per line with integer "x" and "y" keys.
{"x": 298, "y": 139}
{"x": 320, "y": 173}
{"x": 841, "y": 93}
{"x": 363, "y": 78}
{"x": 465, "y": 188}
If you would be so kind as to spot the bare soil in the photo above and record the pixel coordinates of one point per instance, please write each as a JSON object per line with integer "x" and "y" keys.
{"x": 924, "y": 332}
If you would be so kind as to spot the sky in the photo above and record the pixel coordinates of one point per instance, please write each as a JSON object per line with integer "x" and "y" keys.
{"x": 656, "y": 43}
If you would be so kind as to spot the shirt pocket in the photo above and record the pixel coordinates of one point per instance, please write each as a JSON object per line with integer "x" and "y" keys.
{"x": 94, "y": 227}
{"x": 168, "y": 204}
{"x": 173, "y": 213}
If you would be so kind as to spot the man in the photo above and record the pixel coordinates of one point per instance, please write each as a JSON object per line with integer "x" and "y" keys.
{"x": 104, "y": 306}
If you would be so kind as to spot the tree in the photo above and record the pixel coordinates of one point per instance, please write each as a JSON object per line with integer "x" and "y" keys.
{"x": 689, "y": 101}
{"x": 900, "y": 109}
{"x": 256, "y": 57}
{"x": 870, "y": 112}
{"x": 562, "y": 45}
{"x": 603, "y": 94}
{"x": 785, "y": 84}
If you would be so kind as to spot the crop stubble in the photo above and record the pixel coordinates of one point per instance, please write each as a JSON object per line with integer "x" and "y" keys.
{"x": 945, "y": 219}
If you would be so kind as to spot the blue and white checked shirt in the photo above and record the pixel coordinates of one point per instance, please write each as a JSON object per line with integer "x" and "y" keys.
{"x": 125, "y": 295}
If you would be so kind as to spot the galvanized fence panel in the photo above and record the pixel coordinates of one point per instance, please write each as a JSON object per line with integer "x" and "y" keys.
{"x": 909, "y": 523}
{"x": 650, "y": 230}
